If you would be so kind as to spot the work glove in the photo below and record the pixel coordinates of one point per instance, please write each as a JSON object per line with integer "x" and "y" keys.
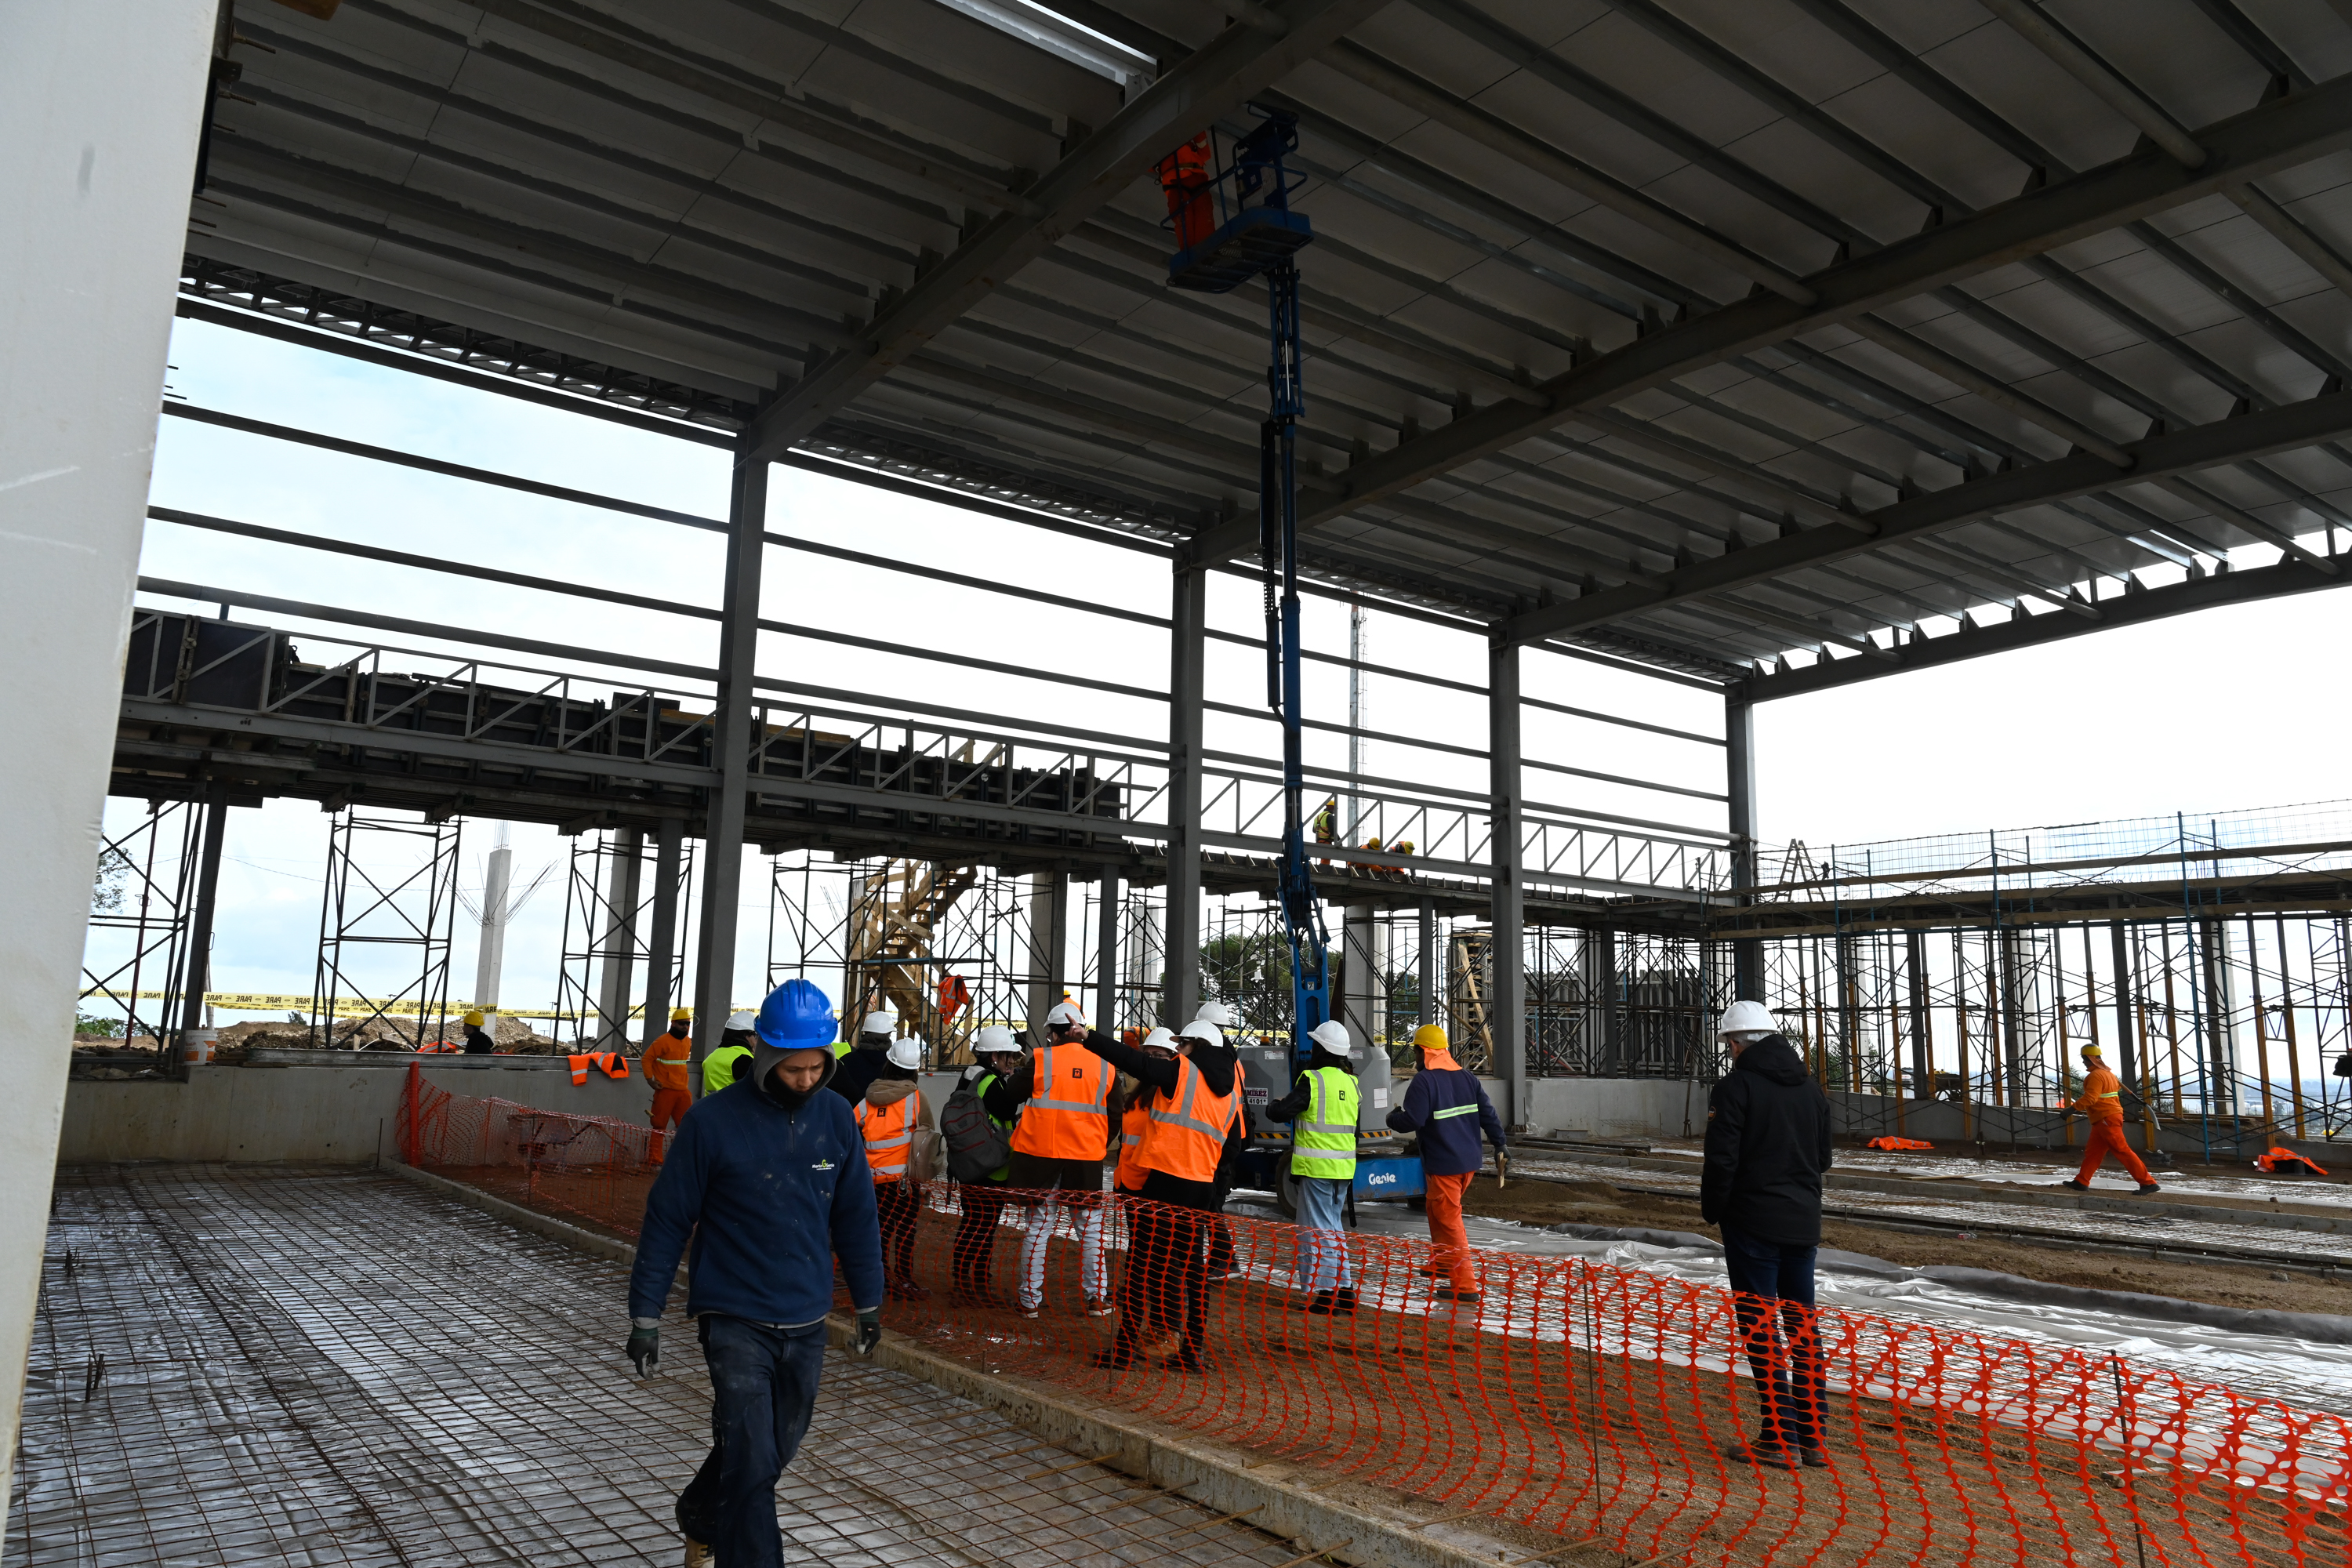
{"x": 1502, "y": 1166}
{"x": 869, "y": 1331}
{"x": 645, "y": 1347}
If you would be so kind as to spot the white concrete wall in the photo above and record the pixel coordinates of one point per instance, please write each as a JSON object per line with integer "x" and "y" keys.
{"x": 273, "y": 1115}
{"x": 100, "y": 105}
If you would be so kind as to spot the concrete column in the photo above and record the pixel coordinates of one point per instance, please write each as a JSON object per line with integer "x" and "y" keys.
{"x": 1602, "y": 1035}
{"x": 1049, "y": 946}
{"x": 200, "y": 927}
{"x": 1107, "y": 923}
{"x": 731, "y": 753}
{"x": 1922, "y": 1054}
{"x": 1507, "y": 993}
{"x": 1739, "y": 783}
{"x": 489, "y": 958}
{"x": 100, "y": 103}
{"x": 2127, "y": 1030}
{"x": 1358, "y": 974}
{"x": 621, "y": 877}
{"x": 1188, "y": 616}
{"x": 661, "y": 941}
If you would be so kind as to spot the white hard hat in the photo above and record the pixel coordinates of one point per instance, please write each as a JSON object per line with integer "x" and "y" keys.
{"x": 1332, "y": 1035}
{"x": 993, "y": 1037}
{"x": 881, "y": 1021}
{"x": 1064, "y": 1012}
{"x": 743, "y": 1021}
{"x": 1202, "y": 1029}
{"x": 1215, "y": 1011}
{"x": 1746, "y": 1018}
{"x": 1160, "y": 1040}
{"x": 906, "y": 1052}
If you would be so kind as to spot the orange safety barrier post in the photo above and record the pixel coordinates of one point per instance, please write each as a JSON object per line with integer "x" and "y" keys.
{"x": 1585, "y": 1402}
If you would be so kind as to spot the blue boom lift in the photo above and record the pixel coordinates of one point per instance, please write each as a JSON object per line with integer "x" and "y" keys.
{"x": 1233, "y": 224}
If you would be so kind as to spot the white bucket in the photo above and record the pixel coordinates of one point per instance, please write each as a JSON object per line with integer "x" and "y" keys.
{"x": 196, "y": 1047}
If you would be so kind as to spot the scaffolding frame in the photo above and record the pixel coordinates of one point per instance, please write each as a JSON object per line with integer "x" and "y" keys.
{"x": 158, "y": 858}
{"x": 410, "y": 907}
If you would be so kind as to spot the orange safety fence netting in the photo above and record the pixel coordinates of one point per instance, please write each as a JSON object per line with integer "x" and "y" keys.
{"x": 1581, "y": 1400}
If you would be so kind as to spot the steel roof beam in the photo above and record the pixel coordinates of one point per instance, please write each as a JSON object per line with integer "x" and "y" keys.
{"x": 2159, "y": 456}
{"x": 2271, "y": 137}
{"x": 2077, "y": 59}
{"x": 1215, "y": 80}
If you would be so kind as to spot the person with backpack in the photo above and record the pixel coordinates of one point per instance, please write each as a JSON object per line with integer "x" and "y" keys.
{"x": 890, "y": 1118}
{"x": 980, "y": 1158}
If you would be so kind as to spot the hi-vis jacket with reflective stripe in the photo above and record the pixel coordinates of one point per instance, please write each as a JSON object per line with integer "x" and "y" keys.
{"x": 1323, "y": 1141}
{"x": 613, "y": 1063}
{"x": 1129, "y": 1178}
{"x": 889, "y": 1132}
{"x": 1447, "y": 1110}
{"x": 1067, "y": 1113}
{"x": 1186, "y": 1131}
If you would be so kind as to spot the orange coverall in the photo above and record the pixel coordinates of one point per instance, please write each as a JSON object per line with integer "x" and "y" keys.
{"x": 2102, "y": 1101}
{"x": 664, "y": 1067}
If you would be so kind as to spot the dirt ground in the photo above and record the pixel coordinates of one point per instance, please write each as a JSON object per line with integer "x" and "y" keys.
{"x": 1532, "y": 1201}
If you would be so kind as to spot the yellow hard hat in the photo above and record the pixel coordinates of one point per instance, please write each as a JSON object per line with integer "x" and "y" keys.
{"x": 475, "y": 1019}
{"x": 681, "y": 1015}
{"x": 1429, "y": 1037}
{"x": 2092, "y": 1050}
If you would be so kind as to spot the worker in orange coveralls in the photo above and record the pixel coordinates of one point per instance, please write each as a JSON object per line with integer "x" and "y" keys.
{"x": 1446, "y": 1110}
{"x": 666, "y": 1063}
{"x": 2102, "y": 1101}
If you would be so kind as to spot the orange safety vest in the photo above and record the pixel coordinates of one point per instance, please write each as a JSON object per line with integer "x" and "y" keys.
{"x": 1128, "y": 1177}
{"x": 615, "y": 1065}
{"x": 1067, "y": 1113}
{"x": 889, "y": 1130}
{"x": 953, "y": 994}
{"x": 2279, "y": 1159}
{"x": 1185, "y": 1139}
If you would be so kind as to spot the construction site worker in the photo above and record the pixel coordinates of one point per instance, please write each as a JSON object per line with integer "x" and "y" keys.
{"x": 2102, "y": 1101}
{"x": 1323, "y": 1108}
{"x": 995, "y": 1056}
{"x": 666, "y": 1062}
{"x": 1062, "y": 1097}
{"x": 768, "y": 1179}
{"x": 733, "y": 1059}
{"x": 893, "y": 1108}
{"x": 478, "y": 1038}
{"x": 1189, "y": 1084}
{"x": 1767, "y": 1143}
{"x": 1327, "y": 821}
{"x": 861, "y": 1066}
{"x": 1134, "y": 1115}
{"x": 1446, "y": 1110}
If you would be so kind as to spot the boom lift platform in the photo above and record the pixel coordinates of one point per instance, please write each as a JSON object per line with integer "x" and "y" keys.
{"x": 1232, "y": 225}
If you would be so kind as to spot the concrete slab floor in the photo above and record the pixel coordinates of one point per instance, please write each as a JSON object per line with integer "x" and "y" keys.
{"x": 330, "y": 1367}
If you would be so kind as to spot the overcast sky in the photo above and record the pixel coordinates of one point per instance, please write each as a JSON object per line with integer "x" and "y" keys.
{"x": 2225, "y": 709}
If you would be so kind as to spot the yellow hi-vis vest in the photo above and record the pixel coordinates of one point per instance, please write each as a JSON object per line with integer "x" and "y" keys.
{"x": 719, "y": 1066}
{"x": 1323, "y": 1141}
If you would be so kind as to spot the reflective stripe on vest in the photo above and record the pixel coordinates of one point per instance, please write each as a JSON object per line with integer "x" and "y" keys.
{"x": 612, "y": 1063}
{"x": 1185, "y": 1142}
{"x": 1324, "y": 1143}
{"x": 1067, "y": 1113}
{"x": 888, "y": 1130}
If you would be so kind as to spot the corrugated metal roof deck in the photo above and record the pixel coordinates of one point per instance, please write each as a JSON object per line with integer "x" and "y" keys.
{"x": 1714, "y": 331}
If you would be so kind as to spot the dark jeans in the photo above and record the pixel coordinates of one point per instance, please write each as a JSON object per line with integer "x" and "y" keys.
{"x": 763, "y": 1390}
{"x": 975, "y": 1240}
{"x": 897, "y": 1204}
{"x": 1787, "y": 1364}
{"x": 1167, "y": 1285}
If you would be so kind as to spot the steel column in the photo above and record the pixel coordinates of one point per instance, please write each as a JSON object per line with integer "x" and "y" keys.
{"x": 733, "y": 732}
{"x": 622, "y": 880}
{"x": 1188, "y": 622}
{"x": 1506, "y": 991}
{"x": 1740, "y": 784}
{"x": 1922, "y": 1054}
{"x": 661, "y": 943}
{"x": 1107, "y": 953}
{"x": 1049, "y": 945}
{"x": 1426, "y": 962}
{"x": 200, "y": 928}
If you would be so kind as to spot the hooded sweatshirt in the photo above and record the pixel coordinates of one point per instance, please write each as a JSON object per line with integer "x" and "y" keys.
{"x": 1767, "y": 1143}
{"x": 771, "y": 1186}
{"x": 1444, "y": 1107}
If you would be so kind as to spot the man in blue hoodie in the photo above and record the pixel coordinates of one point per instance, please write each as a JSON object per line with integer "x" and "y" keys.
{"x": 769, "y": 1178}
{"x": 1446, "y": 1111}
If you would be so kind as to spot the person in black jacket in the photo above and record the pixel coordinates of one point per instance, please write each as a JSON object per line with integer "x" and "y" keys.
{"x": 1767, "y": 1143}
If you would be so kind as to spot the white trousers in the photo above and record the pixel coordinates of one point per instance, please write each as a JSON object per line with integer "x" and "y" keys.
{"x": 1042, "y": 1221}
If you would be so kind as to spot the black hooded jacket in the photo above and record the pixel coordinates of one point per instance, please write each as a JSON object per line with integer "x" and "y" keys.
{"x": 1767, "y": 1143}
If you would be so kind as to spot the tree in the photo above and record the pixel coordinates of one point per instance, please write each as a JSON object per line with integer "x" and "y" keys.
{"x": 106, "y": 887}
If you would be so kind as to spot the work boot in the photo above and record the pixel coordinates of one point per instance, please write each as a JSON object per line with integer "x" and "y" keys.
{"x": 1188, "y": 1360}
{"x": 1344, "y": 1304}
{"x": 1322, "y": 1306}
{"x": 2078, "y": 1186}
{"x": 1448, "y": 1293}
{"x": 1112, "y": 1359}
{"x": 1766, "y": 1456}
{"x": 2147, "y": 1187}
{"x": 1813, "y": 1458}
{"x": 1099, "y": 1308}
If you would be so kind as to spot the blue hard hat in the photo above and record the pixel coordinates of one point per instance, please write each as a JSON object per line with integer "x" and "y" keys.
{"x": 796, "y": 1016}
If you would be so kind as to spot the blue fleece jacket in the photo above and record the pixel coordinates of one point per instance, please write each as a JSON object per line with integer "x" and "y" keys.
{"x": 771, "y": 1193}
{"x": 1447, "y": 1109}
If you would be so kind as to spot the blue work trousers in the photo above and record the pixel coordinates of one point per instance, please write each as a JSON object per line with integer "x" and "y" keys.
{"x": 1322, "y": 1232}
{"x": 763, "y": 1392}
{"x": 1774, "y": 1282}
